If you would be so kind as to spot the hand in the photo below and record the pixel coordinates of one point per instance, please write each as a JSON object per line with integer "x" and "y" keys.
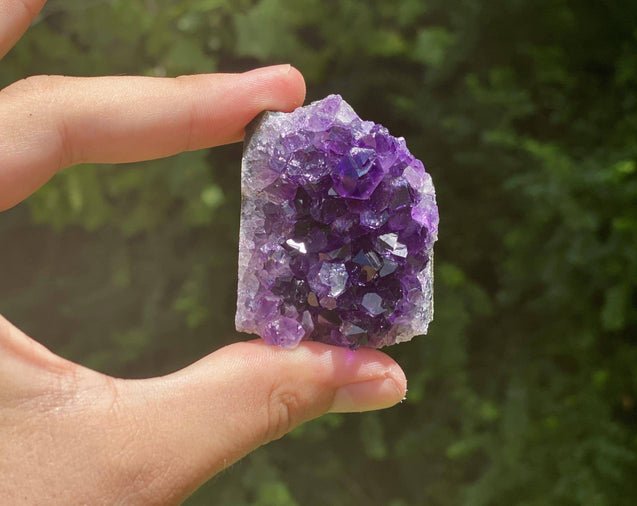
{"x": 69, "y": 435}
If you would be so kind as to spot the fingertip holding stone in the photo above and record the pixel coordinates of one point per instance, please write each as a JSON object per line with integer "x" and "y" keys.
{"x": 338, "y": 222}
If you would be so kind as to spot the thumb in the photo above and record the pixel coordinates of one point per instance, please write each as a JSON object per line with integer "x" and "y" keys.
{"x": 207, "y": 416}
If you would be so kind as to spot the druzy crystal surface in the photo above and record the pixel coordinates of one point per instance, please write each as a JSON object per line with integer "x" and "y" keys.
{"x": 338, "y": 221}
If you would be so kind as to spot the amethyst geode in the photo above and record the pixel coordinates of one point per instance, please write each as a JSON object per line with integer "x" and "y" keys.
{"x": 338, "y": 221}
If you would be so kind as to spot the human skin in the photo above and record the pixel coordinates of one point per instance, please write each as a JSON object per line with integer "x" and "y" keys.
{"x": 70, "y": 435}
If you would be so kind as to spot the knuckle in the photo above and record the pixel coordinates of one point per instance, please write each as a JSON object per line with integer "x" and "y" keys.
{"x": 41, "y": 99}
{"x": 43, "y": 96}
{"x": 39, "y": 85}
{"x": 61, "y": 392}
{"x": 191, "y": 118}
{"x": 284, "y": 409}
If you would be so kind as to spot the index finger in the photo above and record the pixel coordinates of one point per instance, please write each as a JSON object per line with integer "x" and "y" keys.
{"x": 15, "y": 17}
{"x": 51, "y": 122}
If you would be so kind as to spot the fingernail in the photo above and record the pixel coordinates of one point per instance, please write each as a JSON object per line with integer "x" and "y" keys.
{"x": 367, "y": 396}
{"x": 271, "y": 70}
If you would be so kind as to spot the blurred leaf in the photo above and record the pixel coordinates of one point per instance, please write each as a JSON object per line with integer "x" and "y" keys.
{"x": 372, "y": 436}
{"x": 432, "y": 45}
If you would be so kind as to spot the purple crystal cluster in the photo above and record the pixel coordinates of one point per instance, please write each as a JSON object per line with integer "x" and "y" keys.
{"x": 338, "y": 221}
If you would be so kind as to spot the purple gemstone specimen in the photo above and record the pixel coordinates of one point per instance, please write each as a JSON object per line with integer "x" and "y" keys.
{"x": 338, "y": 222}
{"x": 283, "y": 331}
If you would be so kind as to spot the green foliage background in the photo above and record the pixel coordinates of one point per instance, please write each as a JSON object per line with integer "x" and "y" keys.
{"x": 525, "y": 113}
